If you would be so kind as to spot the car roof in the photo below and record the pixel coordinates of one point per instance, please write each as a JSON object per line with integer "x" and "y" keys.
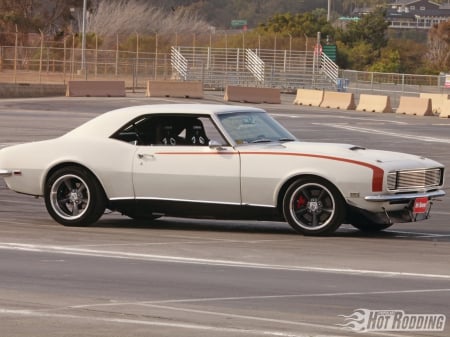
{"x": 109, "y": 122}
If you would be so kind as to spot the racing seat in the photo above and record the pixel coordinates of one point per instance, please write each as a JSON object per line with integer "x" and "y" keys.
{"x": 166, "y": 135}
{"x": 195, "y": 134}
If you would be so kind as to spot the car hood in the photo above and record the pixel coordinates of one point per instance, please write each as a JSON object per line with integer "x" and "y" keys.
{"x": 380, "y": 158}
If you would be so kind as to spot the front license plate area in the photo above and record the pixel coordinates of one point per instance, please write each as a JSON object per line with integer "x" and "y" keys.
{"x": 421, "y": 208}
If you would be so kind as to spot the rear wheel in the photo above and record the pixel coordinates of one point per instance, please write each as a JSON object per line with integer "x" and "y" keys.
{"x": 73, "y": 197}
{"x": 313, "y": 206}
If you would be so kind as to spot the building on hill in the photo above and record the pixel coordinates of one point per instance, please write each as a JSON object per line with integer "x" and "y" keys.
{"x": 416, "y": 14}
{"x": 411, "y": 14}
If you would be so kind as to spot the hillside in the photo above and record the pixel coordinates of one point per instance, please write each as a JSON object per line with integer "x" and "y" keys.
{"x": 219, "y": 13}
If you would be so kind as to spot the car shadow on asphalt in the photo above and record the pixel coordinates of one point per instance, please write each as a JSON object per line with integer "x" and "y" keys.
{"x": 257, "y": 227}
{"x": 201, "y": 225}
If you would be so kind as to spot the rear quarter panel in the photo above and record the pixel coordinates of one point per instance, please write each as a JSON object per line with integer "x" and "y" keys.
{"x": 109, "y": 160}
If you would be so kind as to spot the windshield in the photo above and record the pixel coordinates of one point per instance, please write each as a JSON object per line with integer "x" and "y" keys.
{"x": 254, "y": 127}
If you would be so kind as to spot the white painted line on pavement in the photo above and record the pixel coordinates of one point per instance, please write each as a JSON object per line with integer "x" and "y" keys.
{"x": 198, "y": 242}
{"x": 211, "y": 262}
{"x": 159, "y": 305}
{"x": 40, "y": 314}
{"x": 262, "y": 297}
{"x": 386, "y": 133}
{"x": 340, "y": 117}
{"x": 418, "y": 234}
{"x": 245, "y": 317}
{"x": 264, "y": 319}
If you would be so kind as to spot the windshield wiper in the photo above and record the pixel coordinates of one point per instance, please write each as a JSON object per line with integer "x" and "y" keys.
{"x": 261, "y": 140}
{"x": 266, "y": 140}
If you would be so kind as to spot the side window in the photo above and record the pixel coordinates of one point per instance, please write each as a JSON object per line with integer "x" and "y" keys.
{"x": 212, "y": 132}
{"x": 130, "y": 133}
{"x": 187, "y": 131}
{"x": 170, "y": 130}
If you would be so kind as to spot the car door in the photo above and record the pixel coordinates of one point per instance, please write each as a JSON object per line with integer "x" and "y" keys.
{"x": 177, "y": 164}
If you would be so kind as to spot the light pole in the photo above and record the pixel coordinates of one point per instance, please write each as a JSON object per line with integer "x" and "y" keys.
{"x": 329, "y": 11}
{"x": 83, "y": 39}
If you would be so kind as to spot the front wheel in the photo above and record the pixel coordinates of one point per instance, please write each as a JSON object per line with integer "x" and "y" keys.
{"x": 73, "y": 197}
{"x": 313, "y": 206}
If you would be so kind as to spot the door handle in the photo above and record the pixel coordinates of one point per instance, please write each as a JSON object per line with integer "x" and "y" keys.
{"x": 145, "y": 155}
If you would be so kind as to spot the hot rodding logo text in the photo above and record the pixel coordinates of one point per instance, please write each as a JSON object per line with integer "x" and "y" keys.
{"x": 365, "y": 320}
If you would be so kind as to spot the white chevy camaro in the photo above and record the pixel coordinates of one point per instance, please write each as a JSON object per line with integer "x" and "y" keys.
{"x": 218, "y": 161}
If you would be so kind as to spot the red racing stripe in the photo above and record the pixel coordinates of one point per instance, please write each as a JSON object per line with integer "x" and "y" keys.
{"x": 377, "y": 176}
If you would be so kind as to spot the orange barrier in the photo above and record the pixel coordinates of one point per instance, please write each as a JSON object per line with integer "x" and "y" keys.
{"x": 95, "y": 89}
{"x": 338, "y": 100}
{"x": 252, "y": 95}
{"x": 185, "y": 89}
{"x": 415, "y": 106}
{"x": 437, "y": 101}
{"x": 374, "y": 103}
{"x": 445, "y": 109}
{"x": 309, "y": 97}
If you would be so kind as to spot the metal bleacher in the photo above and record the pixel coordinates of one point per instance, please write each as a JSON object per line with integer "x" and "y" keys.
{"x": 285, "y": 69}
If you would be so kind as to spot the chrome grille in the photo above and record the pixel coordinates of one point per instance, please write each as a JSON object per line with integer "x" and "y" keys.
{"x": 402, "y": 180}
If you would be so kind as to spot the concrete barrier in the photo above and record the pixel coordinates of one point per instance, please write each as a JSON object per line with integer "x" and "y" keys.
{"x": 95, "y": 89}
{"x": 309, "y": 97}
{"x": 338, "y": 100}
{"x": 252, "y": 95}
{"x": 374, "y": 103}
{"x": 184, "y": 89}
{"x": 18, "y": 90}
{"x": 415, "y": 106}
{"x": 445, "y": 109}
{"x": 437, "y": 100}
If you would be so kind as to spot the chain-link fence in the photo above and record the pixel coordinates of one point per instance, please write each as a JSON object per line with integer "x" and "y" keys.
{"x": 58, "y": 65}
{"x": 393, "y": 84}
{"x": 219, "y": 59}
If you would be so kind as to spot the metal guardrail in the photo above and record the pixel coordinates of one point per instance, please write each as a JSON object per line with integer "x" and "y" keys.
{"x": 255, "y": 65}
{"x": 216, "y": 67}
{"x": 179, "y": 62}
{"x": 284, "y": 69}
{"x": 329, "y": 68}
{"x": 393, "y": 84}
{"x": 418, "y": 23}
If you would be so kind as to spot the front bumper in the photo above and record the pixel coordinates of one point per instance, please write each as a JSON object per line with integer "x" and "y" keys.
{"x": 404, "y": 196}
{"x": 5, "y": 173}
{"x": 406, "y": 207}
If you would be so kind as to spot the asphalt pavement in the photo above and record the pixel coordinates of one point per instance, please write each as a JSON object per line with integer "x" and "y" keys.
{"x": 188, "y": 277}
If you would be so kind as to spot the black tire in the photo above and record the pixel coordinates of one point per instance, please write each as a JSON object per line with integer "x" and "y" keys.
{"x": 73, "y": 197}
{"x": 368, "y": 226}
{"x": 313, "y": 206}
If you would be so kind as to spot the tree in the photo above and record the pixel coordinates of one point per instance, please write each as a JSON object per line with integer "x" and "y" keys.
{"x": 364, "y": 40}
{"x": 389, "y": 62}
{"x": 362, "y": 55}
{"x": 133, "y": 16}
{"x": 298, "y": 25}
{"x": 348, "y": 6}
{"x": 411, "y": 55}
{"x": 371, "y": 28}
{"x": 34, "y": 16}
{"x": 438, "y": 47}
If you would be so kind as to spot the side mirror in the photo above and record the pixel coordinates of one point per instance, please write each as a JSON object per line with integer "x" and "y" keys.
{"x": 214, "y": 144}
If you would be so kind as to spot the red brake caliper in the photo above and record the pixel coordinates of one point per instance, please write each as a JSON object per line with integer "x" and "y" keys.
{"x": 301, "y": 201}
